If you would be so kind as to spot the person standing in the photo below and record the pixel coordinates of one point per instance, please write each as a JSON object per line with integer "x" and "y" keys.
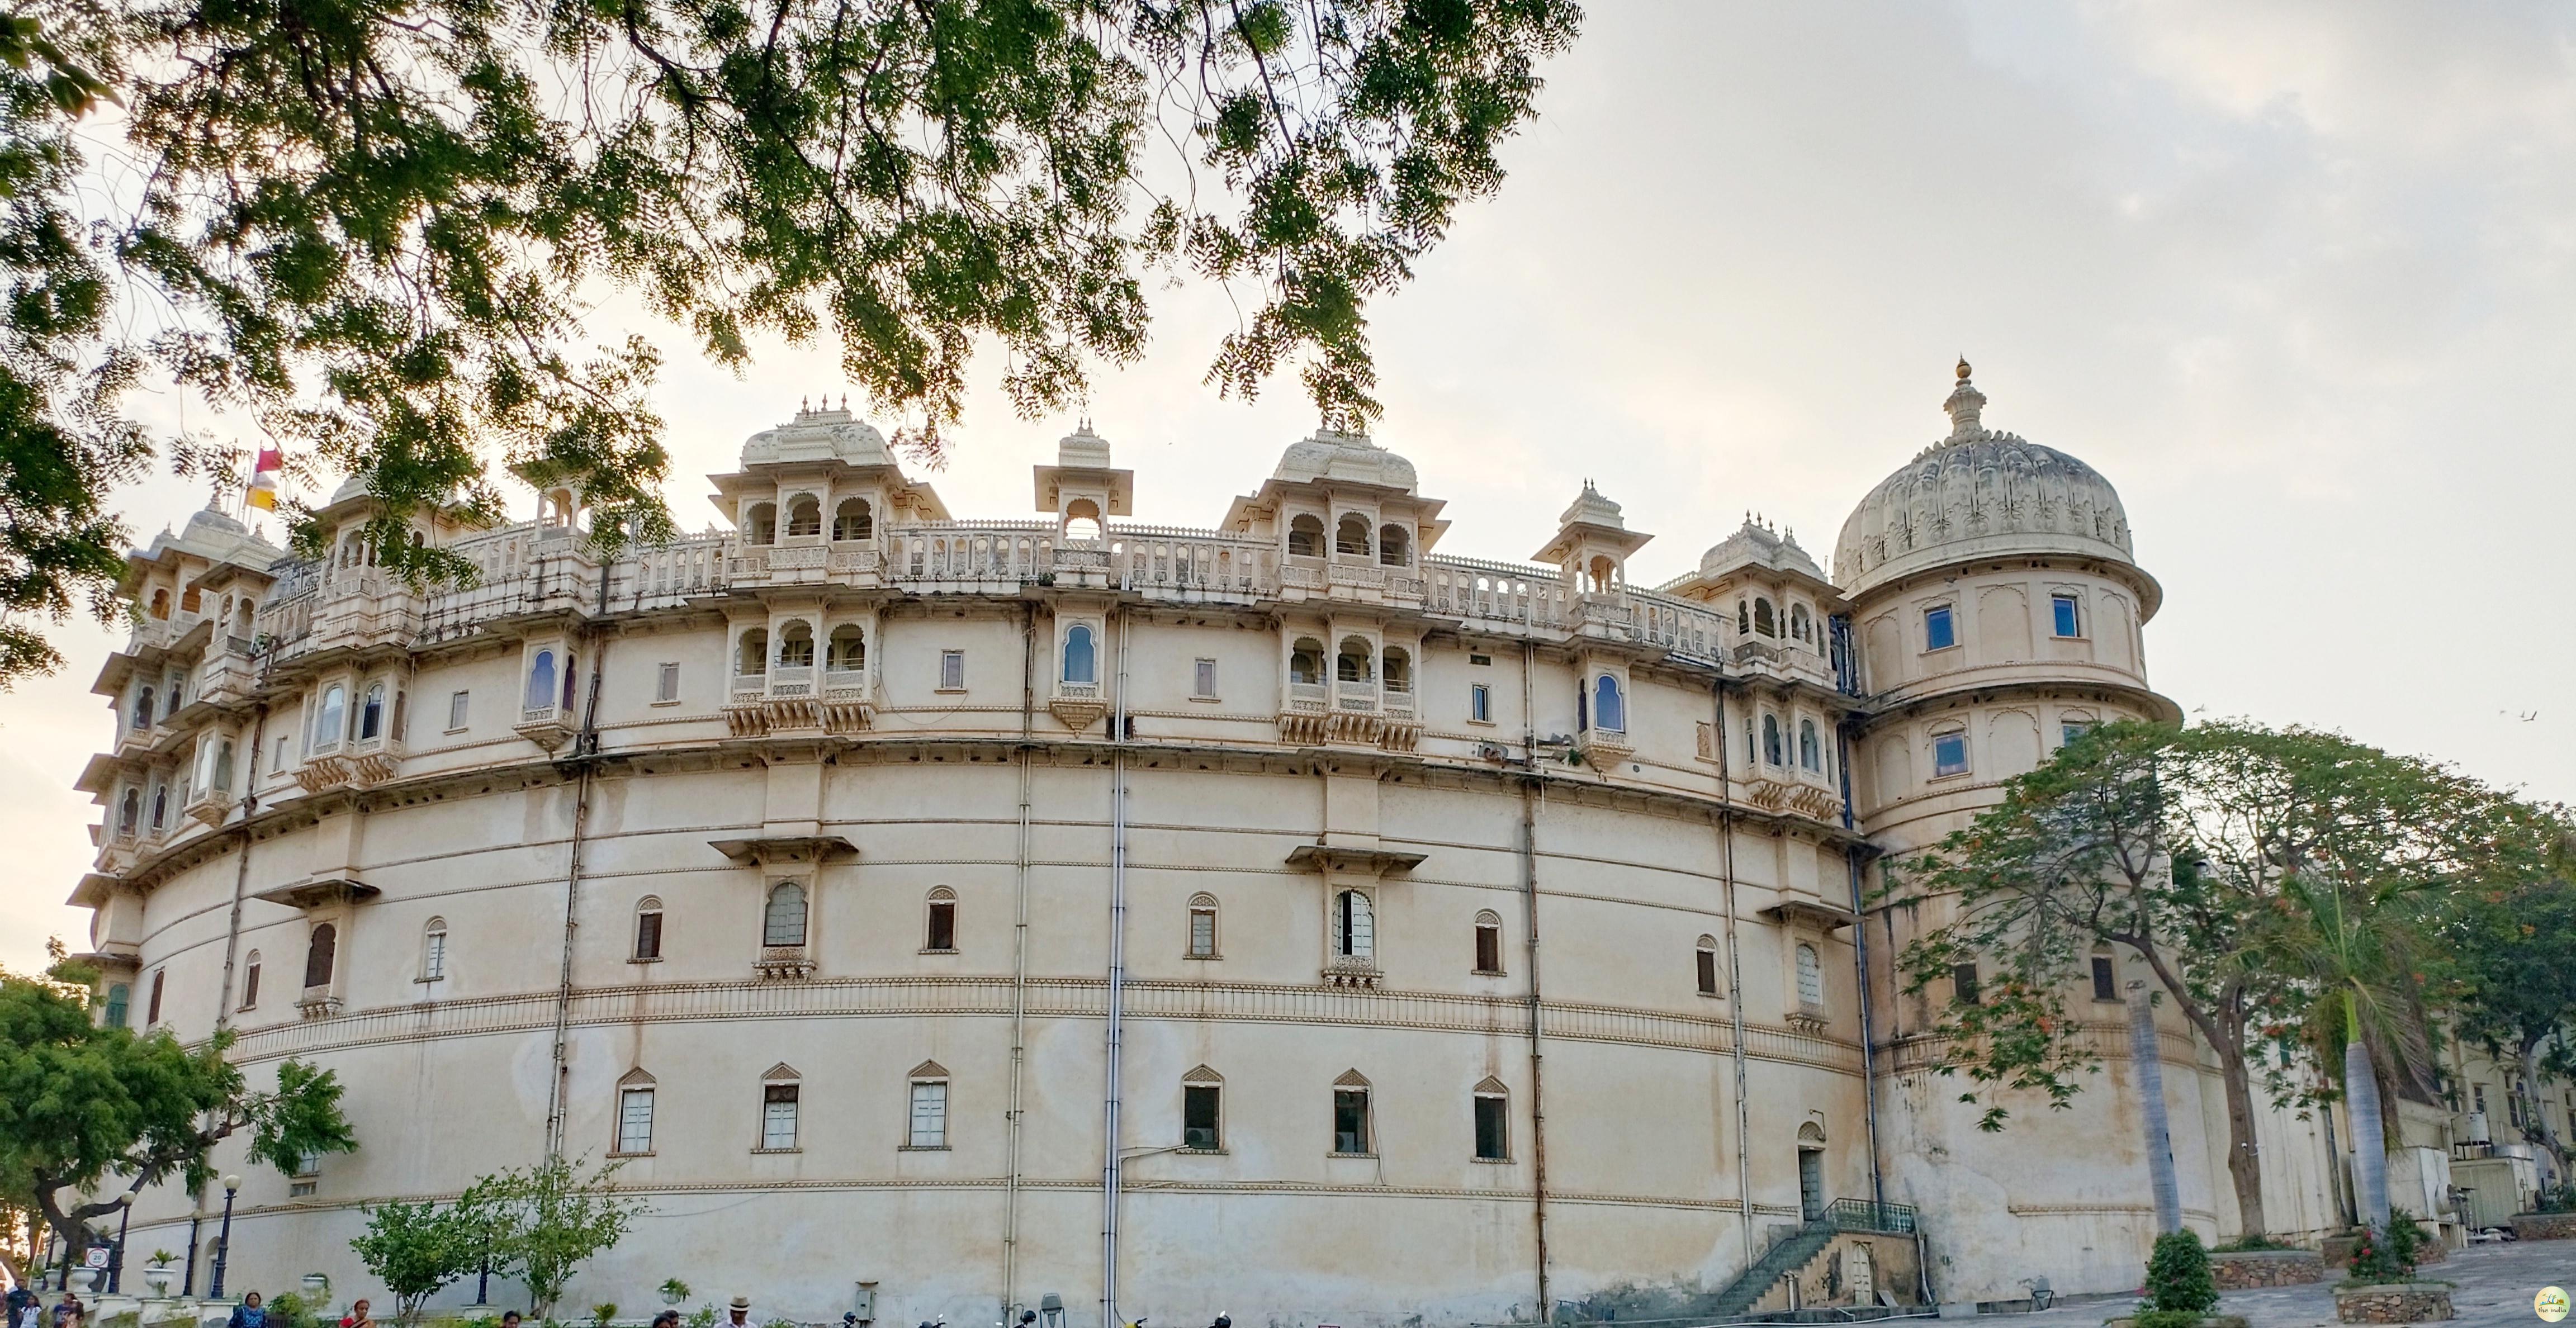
{"x": 358, "y": 1317}
{"x": 738, "y": 1314}
{"x": 68, "y": 1312}
{"x": 248, "y": 1314}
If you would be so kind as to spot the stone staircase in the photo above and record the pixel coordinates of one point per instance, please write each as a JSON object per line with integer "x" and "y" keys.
{"x": 1800, "y": 1247}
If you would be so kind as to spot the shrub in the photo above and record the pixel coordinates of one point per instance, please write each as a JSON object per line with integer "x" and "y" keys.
{"x": 2387, "y": 1256}
{"x": 601, "y": 1314}
{"x": 2249, "y": 1243}
{"x": 2178, "y": 1277}
{"x": 2559, "y": 1198}
{"x": 2165, "y": 1319}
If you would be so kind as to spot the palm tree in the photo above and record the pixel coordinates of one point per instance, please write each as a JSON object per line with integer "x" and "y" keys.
{"x": 2354, "y": 944}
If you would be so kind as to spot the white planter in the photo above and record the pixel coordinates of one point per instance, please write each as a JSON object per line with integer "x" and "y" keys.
{"x": 159, "y": 1276}
{"x": 83, "y": 1279}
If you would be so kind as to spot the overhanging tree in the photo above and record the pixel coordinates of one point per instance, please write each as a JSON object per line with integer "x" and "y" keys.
{"x": 379, "y": 228}
{"x": 2505, "y": 969}
{"x": 102, "y": 1112}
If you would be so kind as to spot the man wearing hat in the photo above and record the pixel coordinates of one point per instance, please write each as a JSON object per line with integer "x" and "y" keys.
{"x": 738, "y": 1314}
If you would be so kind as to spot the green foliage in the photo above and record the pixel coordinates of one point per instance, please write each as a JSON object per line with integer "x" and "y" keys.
{"x": 674, "y": 1289}
{"x": 2250, "y": 1243}
{"x": 2501, "y": 967}
{"x": 415, "y": 1249}
{"x": 164, "y": 1256}
{"x": 2178, "y": 1276}
{"x": 2166, "y": 1319}
{"x": 600, "y": 1314}
{"x": 2387, "y": 1256}
{"x": 79, "y": 1103}
{"x": 543, "y": 1222}
{"x": 377, "y": 228}
{"x": 704, "y": 1317}
{"x": 289, "y": 1310}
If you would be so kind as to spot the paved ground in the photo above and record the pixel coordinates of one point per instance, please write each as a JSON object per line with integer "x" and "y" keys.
{"x": 2495, "y": 1287}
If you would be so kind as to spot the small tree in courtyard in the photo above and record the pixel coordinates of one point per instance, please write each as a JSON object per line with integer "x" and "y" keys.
{"x": 545, "y": 1221}
{"x": 415, "y": 1249}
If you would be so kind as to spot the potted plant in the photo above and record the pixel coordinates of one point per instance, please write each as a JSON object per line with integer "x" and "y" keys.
{"x": 2383, "y": 1287}
{"x": 158, "y": 1274}
{"x": 674, "y": 1291}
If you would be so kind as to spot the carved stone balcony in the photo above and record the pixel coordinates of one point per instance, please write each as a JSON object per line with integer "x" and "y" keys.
{"x": 549, "y": 727}
{"x": 1602, "y": 748}
{"x": 848, "y": 704}
{"x": 1809, "y": 1019}
{"x": 1399, "y": 729}
{"x": 1078, "y": 705}
{"x": 1306, "y": 714}
{"x": 1352, "y": 971}
{"x": 210, "y": 806}
{"x": 323, "y": 770}
{"x": 375, "y": 760}
{"x": 317, "y": 1003}
{"x": 785, "y": 963}
{"x": 746, "y": 711}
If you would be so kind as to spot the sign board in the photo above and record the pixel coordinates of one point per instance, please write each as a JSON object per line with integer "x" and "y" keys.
{"x": 94, "y": 1257}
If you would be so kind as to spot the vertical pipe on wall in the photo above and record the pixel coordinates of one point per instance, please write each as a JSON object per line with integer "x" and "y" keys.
{"x": 241, "y": 882}
{"x": 1537, "y": 1023}
{"x": 1860, "y": 966}
{"x": 1019, "y": 970}
{"x": 1109, "y": 1169}
{"x": 1734, "y": 965}
{"x": 585, "y": 755}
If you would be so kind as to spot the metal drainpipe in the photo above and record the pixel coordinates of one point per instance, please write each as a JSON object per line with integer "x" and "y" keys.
{"x": 1109, "y": 1169}
{"x": 1019, "y": 968}
{"x": 1734, "y": 965}
{"x": 1530, "y": 792}
{"x": 1860, "y": 965}
{"x": 585, "y": 754}
{"x": 241, "y": 877}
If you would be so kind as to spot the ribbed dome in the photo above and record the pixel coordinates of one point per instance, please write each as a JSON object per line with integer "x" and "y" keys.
{"x": 1979, "y": 493}
{"x": 1341, "y": 456}
{"x": 819, "y": 435}
{"x": 1755, "y": 545}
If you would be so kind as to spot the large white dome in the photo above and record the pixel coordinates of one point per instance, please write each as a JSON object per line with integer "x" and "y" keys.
{"x": 1979, "y": 493}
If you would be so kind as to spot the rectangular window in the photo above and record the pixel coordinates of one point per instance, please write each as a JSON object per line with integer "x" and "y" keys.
{"x": 433, "y": 956}
{"x": 1480, "y": 703}
{"x": 2072, "y": 729}
{"x": 1963, "y": 983}
{"x": 942, "y": 932}
{"x": 279, "y": 763}
{"x": 1350, "y": 1120}
{"x": 1203, "y": 680}
{"x": 778, "y": 1116}
{"x": 648, "y": 935}
{"x": 952, "y": 670}
{"x": 1489, "y": 949}
{"x": 635, "y": 1121}
{"x": 1202, "y": 933}
{"x": 1199, "y": 1117}
{"x": 930, "y": 1115}
{"x": 1707, "y": 971}
{"x": 1939, "y": 633}
{"x": 458, "y": 707}
{"x": 2070, "y": 621}
{"x": 1480, "y": 661}
{"x": 152, "y": 1007}
{"x": 2106, "y": 984}
{"x": 666, "y": 686}
{"x": 1949, "y": 754}
{"x": 1490, "y": 1117}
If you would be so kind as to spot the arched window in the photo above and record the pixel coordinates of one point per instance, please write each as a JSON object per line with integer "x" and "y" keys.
{"x": 1351, "y": 535}
{"x": 1394, "y": 546}
{"x": 760, "y": 525}
{"x": 1706, "y": 956}
{"x": 1306, "y": 536}
{"x": 854, "y": 520}
{"x": 152, "y": 1003}
{"x": 1609, "y": 708}
{"x": 1811, "y": 978}
{"x": 1810, "y": 753}
{"x": 130, "y": 815}
{"x": 751, "y": 658}
{"x": 160, "y": 806}
{"x": 648, "y": 927}
{"x": 1398, "y": 669}
{"x": 1354, "y": 926}
{"x": 1202, "y": 1110}
{"x": 1799, "y": 627}
{"x": 1353, "y": 663}
{"x": 1489, "y": 942}
{"x": 319, "y": 951}
{"x": 635, "y": 1112}
{"x": 1081, "y": 663}
{"x": 939, "y": 921}
{"x": 1306, "y": 661}
{"x": 177, "y": 695}
{"x": 161, "y": 604}
{"x": 779, "y": 1090}
{"x": 250, "y": 981}
{"x": 223, "y": 772}
{"x": 371, "y": 713}
{"x": 847, "y": 652}
{"x": 796, "y": 645}
{"x": 433, "y": 950}
{"x": 143, "y": 709}
{"x": 1771, "y": 747}
{"x": 805, "y": 515}
{"x": 782, "y": 920}
{"x": 1203, "y": 926}
{"x": 119, "y": 997}
{"x": 1493, "y": 1104}
{"x": 541, "y": 680}
{"x": 1082, "y": 519}
{"x": 1351, "y": 1114}
{"x": 2106, "y": 975}
{"x": 192, "y": 600}
{"x": 1743, "y": 619}
{"x": 1763, "y": 620}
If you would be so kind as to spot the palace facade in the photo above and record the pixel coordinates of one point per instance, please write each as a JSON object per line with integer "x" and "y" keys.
{"x": 1287, "y": 916}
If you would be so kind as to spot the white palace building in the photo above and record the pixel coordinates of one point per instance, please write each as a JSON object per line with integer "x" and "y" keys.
{"x": 1284, "y": 916}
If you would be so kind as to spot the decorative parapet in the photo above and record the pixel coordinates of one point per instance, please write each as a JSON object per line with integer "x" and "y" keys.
{"x": 549, "y": 726}
{"x": 1077, "y": 705}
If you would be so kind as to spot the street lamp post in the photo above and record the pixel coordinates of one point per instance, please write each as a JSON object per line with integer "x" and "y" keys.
{"x": 116, "y": 1264}
{"x": 223, "y": 1240}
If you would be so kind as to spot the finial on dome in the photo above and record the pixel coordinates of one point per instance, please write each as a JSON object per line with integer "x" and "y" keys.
{"x": 1965, "y": 404}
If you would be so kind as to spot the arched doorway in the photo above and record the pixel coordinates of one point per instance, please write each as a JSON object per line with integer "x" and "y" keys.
{"x": 1811, "y": 1171}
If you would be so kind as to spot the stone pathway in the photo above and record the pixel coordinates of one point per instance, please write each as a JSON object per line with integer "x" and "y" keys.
{"x": 2495, "y": 1284}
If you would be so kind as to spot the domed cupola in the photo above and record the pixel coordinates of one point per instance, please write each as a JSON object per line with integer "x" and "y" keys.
{"x": 1981, "y": 493}
{"x": 822, "y": 434}
{"x": 1345, "y": 458}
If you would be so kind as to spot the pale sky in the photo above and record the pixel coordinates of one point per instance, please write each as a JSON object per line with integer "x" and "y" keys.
{"x": 2296, "y": 278}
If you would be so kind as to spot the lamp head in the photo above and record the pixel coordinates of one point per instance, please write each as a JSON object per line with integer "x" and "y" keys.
{"x": 232, "y": 1183}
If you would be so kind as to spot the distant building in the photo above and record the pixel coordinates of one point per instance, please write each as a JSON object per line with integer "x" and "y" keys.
{"x": 807, "y": 867}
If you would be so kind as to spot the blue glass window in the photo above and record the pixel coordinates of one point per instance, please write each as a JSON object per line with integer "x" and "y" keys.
{"x": 1939, "y": 633}
{"x": 1950, "y": 754}
{"x": 1609, "y": 710}
{"x": 1079, "y": 656}
{"x": 2069, "y": 621}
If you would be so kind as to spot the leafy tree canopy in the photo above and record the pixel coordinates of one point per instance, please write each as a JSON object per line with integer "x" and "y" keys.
{"x": 101, "y": 1111}
{"x": 415, "y": 1249}
{"x": 541, "y": 1223}
{"x": 378, "y": 228}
